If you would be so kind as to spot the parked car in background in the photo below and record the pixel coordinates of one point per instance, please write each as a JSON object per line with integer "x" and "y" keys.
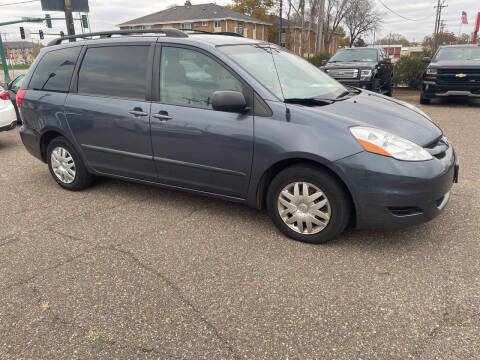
{"x": 268, "y": 129}
{"x": 8, "y": 117}
{"x": 366, "y": 68}
{"x": 12, "y": 88}
{"x": 453, "y": 71}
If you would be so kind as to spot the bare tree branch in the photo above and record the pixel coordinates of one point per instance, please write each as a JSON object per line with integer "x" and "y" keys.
{"x": 361, "y": 17}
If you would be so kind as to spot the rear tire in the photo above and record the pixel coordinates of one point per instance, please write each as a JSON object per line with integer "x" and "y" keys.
{"x": 308, "y": 204}
{"x": 66, "y": 166}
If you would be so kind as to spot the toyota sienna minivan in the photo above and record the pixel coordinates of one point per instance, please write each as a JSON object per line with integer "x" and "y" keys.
{"x": 235, "y": 118}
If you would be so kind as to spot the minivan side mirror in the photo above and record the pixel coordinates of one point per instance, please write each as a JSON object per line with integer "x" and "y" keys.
{"x": 427, "y": 59}
{"x": 229, "y": 101}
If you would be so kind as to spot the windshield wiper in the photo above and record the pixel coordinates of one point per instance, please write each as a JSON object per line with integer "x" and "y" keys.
{"x": 345, "y": 93}
{"x": 309, "y": 101}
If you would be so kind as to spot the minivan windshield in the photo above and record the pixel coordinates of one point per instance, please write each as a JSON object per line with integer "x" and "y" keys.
{"x": 286, "y": 75}
{"x": 453, "y": 54}
{"x": 357, "y": 55}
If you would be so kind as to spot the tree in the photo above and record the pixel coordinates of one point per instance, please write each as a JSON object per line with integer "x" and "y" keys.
{"x": 361, "y": 17}
{"x": 443, "y": 38}
{"x": 393, "y": 39}
{"x": 463, "y": 39}
{"x": 335, "y": 12}
{"x": 256, "y": 8}
{"x": 358, "y": 43}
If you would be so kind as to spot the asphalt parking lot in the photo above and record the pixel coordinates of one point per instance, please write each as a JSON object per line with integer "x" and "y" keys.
{"x": 128, "y": 271}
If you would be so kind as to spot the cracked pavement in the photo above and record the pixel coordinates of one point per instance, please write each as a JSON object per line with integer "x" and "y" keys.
{"x": 124, "y": 270}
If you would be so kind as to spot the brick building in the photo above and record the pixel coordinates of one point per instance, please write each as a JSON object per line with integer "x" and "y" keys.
{"x": 207, "y": 17}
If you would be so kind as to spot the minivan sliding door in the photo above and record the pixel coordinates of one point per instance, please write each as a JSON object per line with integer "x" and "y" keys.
{"x": 109, "y": 114}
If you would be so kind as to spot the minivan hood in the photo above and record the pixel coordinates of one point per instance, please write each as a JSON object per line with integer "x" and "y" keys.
{"x": 375, "y": 110}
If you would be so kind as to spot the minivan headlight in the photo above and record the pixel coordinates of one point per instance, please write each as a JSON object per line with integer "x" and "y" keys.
{"x": 365, "y": 74}
{"x": 431, "y": 71}
{"x": 384, "y": 143}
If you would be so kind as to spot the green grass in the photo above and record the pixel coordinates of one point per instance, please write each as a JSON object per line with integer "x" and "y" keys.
{"x": 19, "y": 67}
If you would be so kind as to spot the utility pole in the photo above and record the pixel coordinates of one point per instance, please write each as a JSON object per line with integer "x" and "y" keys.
{"x": 439, "y": 7}
{"x": 69, "y": 18}
{"x": 280, "y": 24}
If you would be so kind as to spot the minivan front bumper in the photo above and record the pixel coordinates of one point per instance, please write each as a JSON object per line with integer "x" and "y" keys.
{"x": 389, "y": 193}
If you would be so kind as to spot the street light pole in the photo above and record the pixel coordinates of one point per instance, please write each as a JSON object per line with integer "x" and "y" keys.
{"x": 69, "y": 19}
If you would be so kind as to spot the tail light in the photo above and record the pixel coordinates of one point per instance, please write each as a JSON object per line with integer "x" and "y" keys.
{"x": 4, "y": 95}
{"x": 20, "y": 95}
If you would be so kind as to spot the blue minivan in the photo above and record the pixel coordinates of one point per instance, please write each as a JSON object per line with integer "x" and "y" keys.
{"x": 234, "y": 118}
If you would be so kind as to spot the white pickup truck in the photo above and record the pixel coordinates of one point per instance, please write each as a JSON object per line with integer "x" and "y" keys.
{"x": 8, "y": 117}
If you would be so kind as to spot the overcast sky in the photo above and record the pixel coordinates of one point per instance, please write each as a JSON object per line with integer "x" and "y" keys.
{"x": 105, "y": 14}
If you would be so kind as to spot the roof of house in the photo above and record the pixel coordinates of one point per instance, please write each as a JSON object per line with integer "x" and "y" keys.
{"x": 18, "y": 44}
{"x": 201, "y": 12}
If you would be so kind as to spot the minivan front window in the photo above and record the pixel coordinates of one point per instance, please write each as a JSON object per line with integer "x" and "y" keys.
{"x": 360, "y": 55}
{"x": 286, "y": 75}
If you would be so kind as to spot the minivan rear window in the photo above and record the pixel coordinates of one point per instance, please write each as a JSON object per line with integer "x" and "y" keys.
{"x": 114, "y": 71}
{"x": 55, "y": 70}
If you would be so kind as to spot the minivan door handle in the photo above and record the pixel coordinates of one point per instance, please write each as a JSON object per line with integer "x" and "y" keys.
{"x": 162, "y": 116}
{"x": 138, "y": 112}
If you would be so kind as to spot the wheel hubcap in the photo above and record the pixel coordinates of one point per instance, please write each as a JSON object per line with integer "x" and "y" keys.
{"x": 63, "y": 165}
{"x": 304, "y": 208}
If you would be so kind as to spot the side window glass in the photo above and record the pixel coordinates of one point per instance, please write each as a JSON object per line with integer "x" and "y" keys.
{"x": 55, "y": 70}
{"x": 190, "y": 78}
{"x": 17, "y": 83}
{"x": 115, "y": 71}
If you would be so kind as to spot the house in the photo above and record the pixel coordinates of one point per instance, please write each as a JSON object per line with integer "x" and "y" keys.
{"x": 207, "y": 17}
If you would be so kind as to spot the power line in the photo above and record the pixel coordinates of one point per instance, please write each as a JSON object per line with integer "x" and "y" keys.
{"x": 20, "y": 2}
{"x": 396, "y": 13}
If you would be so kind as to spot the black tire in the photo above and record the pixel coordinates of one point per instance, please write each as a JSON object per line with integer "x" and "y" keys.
{"x": 376, "y": 86}
{"x": 424, "y": 100}
{"x": 340, "y": 203}
{"x": 82, "y": 178}
{"x": 390, "y": 89}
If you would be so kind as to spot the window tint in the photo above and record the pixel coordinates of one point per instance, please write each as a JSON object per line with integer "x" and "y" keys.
{"x": 55, "y": 70}
{"x": 190, "y": 78}
{"x": 116, "y": 71}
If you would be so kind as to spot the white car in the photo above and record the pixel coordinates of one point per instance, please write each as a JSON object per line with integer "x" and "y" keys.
{"x": 8, "y": 117}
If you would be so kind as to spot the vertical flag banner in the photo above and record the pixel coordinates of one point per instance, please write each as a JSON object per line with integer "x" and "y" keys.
{"x": 464, "y": 18}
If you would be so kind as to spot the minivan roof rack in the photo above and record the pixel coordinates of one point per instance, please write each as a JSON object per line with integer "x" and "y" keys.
{"x": 108, "y": 34}
{"x": 228, "y": 33}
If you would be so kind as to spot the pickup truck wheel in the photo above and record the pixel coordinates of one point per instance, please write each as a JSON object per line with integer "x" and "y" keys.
{"x": 308, "y": 204}
{"x": 66, "y": 166}
{"x": 423, "y": 100}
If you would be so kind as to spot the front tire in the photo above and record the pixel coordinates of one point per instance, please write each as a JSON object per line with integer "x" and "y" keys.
{"x": 424, "y": 100}
{"x": 308, "y": 204}
{"x": 66, "y": 166}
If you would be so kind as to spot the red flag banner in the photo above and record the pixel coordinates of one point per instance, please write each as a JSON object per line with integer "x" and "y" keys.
{"x": 464, "y": 18}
